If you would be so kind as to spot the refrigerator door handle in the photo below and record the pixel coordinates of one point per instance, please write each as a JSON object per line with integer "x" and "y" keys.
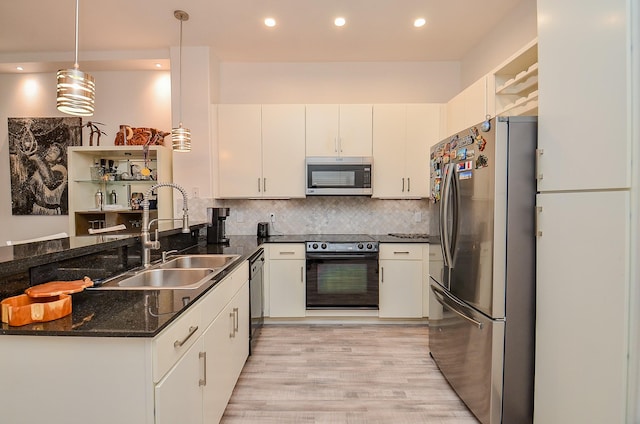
{"x": 440, "y": 297}
{"x": 444, "y": 227}
{"x": 453, "y": 241}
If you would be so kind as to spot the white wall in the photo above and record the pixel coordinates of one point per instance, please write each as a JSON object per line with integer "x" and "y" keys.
{"x": 193, "y": 170}
{"x": 339, "y": 82}
{"x": 515, "y": 30}
{"x": 137, "y": 98}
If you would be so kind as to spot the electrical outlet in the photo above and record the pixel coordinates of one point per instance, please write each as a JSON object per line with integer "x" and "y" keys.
{"x": 272, "y": 217}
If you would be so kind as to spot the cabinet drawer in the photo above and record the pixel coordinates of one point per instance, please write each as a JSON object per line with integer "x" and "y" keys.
{"x": 216, "y": 300}
{"x": 175, "y": 340}
{"x": 286, "y": 251}
{"x": 401, "y": 251}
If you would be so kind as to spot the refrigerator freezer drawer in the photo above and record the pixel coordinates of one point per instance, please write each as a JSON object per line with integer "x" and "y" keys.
{"x": 468, "y": 348}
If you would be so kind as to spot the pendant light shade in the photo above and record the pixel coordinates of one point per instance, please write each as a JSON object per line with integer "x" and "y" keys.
{"x": 180, "y": 137}
{"x": 76, "y": 90}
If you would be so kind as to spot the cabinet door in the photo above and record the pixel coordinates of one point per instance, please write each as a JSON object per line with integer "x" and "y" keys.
{"x": 581, "y": 307}
{"x": 283, "y": 150}
{"x": 240, "y": 341}
{"x": 400, "y": 289}
{"x": 389, "y": 135}
{"x": 423, "y": 130}
{"x": 239, "y": 151}
{"x": 583, "y": 95}
{"x": 220, "y": 380}
{"x": 226, "y": 343}
{"x": 467, "y": 108}
{"x": 355, "y": 133}
{"x": 178, "y": 396}
{"x": 322, "y": 130}
{"x": 287, "y": 297}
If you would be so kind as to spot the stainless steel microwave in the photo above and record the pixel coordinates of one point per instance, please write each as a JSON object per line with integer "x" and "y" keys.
{"x": 335, "y": 176}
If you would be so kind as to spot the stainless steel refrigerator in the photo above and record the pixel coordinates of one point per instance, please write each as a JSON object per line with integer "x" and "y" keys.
{"x": 482, "y": 266}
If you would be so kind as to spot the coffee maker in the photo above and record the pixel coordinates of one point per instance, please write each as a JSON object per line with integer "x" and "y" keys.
{"x": 215, "y": 225}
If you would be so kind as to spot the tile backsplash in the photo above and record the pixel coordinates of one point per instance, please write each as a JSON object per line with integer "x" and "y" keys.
{"x": 318, "y": 215}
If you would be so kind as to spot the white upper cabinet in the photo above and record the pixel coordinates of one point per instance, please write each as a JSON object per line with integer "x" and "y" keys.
{"x": 239, "y": 151}
{"x": 261, "y": 151}
{"x": 402, "y": 136}
{"x": 283, "y": 150}
{"x": 583, "y": 127}
{"x": 469, "y": 107}
{"x": 339, "y": 130}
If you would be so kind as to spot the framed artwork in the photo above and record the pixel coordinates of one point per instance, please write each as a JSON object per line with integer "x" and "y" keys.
{"x": 38, "y": 163}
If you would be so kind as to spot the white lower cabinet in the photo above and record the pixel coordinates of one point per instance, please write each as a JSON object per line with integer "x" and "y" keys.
{"x": 226, "y": 346}
{"x": 186, "y": 374}
{"x": 582, "y": 301}
{"x": 177, "y": 398}
{"x": 287, "y": 280}
{"x": 198, "y": 388}
{"x": 400, "y": 280}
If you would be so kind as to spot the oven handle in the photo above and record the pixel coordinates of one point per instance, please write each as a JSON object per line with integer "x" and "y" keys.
{"x": 339, "y": 256}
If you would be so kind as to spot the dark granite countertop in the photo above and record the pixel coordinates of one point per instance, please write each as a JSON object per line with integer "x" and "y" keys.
{"x": 16, "y": 258}
{"x": 133, "y": 313}
{"x": 137, "y": 313}
{"x": 382, "y": 238}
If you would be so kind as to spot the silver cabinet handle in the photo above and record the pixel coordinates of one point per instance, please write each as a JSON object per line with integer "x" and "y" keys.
{"x": 403, "y": 184}
{"x": 203, "y": 381}
{"x": 538, "y": 230}
{"x": 302, "y": 274}
{"x": 382, "y": 274}
{"x": 401, "y": 253}
{"x": 232, "y": 333}
{"x": 287, "y": 253}
{"x": 408, "y": 183}
{"x": 539, "y": 153}
{"x": 264, "y": 184}
{"x": 340, "y": 143}
{"x": 258, "y": 184}
{"x": 235, "y": 320}
{"x": 335, "y": 144}
{"x": 179, "y": 343}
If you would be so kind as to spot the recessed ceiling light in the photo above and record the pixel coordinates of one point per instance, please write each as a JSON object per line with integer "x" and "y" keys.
{"x": 19, "y": 68}
{"x": 270, "y": 22}
{"x": 158, "y": 65}
{"x": 340, "y": 21}
{"x": 419, "y": 22}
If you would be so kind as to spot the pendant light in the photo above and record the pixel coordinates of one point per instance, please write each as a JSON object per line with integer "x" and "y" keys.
{"x": 180, "y": 137}
{"x": 76, "y": 90}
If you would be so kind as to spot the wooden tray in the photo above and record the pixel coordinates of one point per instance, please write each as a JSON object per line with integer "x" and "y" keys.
{"x": 23, "y": 309}
{"x": 56, "y": 288}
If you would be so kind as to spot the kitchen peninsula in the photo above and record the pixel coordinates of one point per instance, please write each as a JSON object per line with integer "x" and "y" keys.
{"x": 138, "y": 348}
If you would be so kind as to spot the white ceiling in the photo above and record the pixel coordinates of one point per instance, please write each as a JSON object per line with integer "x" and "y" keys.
{"x": 376, "y": 30}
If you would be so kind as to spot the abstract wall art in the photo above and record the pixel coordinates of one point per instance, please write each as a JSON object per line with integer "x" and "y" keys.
{"x": 38, "y": 163}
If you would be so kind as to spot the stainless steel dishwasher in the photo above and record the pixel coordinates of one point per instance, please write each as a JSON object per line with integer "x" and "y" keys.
{"x": 256, "y": 296}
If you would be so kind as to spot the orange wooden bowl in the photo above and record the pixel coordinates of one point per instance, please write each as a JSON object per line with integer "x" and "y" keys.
{"x": 23, "y": 309}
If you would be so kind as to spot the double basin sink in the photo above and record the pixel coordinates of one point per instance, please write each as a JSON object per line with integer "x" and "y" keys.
{"x": 179, "y": 272}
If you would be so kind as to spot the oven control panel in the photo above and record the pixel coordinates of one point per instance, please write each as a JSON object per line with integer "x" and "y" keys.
{"x": 338, "y": 247}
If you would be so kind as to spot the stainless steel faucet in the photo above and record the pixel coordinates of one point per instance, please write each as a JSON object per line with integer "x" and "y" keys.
{"x": 145, "y": 237}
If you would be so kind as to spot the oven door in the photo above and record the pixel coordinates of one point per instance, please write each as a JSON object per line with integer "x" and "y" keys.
{"x": 342, "y": 280}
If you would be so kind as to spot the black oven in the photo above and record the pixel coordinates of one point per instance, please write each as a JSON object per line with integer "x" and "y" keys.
{"x": 342, "y": 275}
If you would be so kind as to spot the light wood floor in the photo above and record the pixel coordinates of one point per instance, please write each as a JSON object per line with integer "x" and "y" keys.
{"x": 370, "y": 374}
